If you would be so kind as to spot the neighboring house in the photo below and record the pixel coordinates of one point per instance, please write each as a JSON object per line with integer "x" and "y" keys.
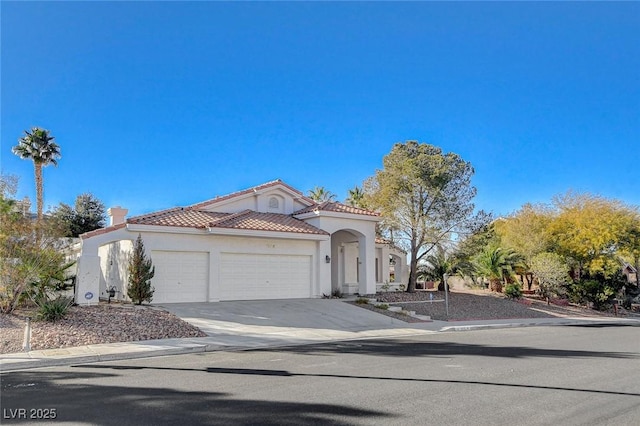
{"x": 266, "y": 242}
{"x": 630, "y": 272}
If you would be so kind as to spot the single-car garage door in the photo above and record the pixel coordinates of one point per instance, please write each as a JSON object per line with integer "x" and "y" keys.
{"x": 246, "y": 276}
{"x": 180, "y": 276}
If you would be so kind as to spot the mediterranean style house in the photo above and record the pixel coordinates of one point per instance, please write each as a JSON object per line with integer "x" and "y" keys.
{"x": 265, "y": 242}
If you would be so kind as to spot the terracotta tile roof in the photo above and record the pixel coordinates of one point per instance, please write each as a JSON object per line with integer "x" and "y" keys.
{"x": 247, "y": 219}
{"x": 177, "y": 217}
{"x": 276, "y": 182}
{"x": 330, "y": 206}
{"x": 256, "y": 221}
{"x": 194, "y": 217}
{"x": 102, "y": 231}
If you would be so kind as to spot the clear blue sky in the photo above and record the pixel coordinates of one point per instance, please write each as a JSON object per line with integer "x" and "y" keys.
{"x": 159, "y": 104}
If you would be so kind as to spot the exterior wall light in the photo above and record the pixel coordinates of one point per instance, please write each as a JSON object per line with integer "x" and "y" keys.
{"x": 327, "y": 259}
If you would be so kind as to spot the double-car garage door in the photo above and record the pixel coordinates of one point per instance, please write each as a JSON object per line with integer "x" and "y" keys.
{"x": 184, "y": 276}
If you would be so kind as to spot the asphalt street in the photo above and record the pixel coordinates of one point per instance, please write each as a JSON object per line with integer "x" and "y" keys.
{"x": 571, "y": 375}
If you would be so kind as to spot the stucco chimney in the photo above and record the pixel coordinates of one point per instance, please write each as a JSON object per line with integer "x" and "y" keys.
{"x": 116, "y": 215}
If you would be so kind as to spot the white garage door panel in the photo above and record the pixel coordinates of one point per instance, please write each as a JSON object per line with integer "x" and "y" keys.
{"x": 180, "y": 276}
{"x": 245, "y": 276}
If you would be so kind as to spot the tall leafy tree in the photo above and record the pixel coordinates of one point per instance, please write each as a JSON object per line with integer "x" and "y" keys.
{"x": 629, "y": 243}
{"x": 87, "y": 214}
{"x": 426, "y": 197}
{"x": 319, "y": 194}
{"x": 527, "y": 232}
{"x": 38, "y": 146}
{"x": 141, "y": 270}
{"x": 588, "y": 229}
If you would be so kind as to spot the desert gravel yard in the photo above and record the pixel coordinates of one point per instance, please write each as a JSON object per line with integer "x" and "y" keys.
{"x": 93, "y": 325}
{"x": 479, "y": 305}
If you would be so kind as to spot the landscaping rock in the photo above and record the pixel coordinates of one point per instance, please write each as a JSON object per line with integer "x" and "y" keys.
{"x": 88, "y": 325}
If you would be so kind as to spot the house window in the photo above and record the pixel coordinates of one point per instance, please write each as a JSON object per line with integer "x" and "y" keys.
{"x": 357, "y": 269}
{"x": 377, "y": 272}
{"x": 274, "y": 203}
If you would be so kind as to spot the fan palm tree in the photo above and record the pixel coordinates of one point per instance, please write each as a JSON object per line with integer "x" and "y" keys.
{"x": 319, "y": 194}
{"x": 39, "y": 147}
{"x": 356, "y": 197}
{"x": 497, "y": 264}
{"x": 437, "y": 265}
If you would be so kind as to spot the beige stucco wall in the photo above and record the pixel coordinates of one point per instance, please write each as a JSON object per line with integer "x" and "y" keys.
{"x": 114, "y": 259}
{"x": 111, "y": 258}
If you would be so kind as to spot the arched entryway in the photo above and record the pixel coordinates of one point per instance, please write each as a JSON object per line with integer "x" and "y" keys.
{"x": 348, "y": 252}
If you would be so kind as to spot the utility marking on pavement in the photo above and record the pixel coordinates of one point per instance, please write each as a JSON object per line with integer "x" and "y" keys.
{"x": 277, "y": 359}
{"x": 453, "y": 366}
{"x": 253, "y": 316}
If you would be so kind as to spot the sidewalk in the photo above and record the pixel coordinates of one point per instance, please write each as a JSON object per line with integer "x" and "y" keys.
{"x": 244, "y": 337}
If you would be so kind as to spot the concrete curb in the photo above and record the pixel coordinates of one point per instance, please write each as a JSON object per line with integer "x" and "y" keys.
{"x": 35, "y": 361}
{"x": 40, "y": 362}
{"x": 572, "y": 322}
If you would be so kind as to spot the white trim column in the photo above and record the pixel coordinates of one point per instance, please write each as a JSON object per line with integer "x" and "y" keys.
{"x": 88, "y": 280}
{"x": 323, "y": 283}
{"x": 367, "y": 265}
{"x": 384, "y": 258}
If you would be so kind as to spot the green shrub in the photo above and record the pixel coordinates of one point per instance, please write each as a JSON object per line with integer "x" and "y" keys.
{"x": 337, "y": 294}
{"x": 598, "y": 292}
{"x": 513, "y": 291}
{"x": 382, "y": 306}
{"x": 141, "y": 270}
{"x": 362, "y": 301}
{"x": 53, "y": 309}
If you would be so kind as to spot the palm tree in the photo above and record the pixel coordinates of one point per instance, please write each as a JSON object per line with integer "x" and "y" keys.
{"x": 497, "y": 264}
{"x": 319, "y": 194}
{"x": 356, "y": 197}
{"x": 39, "y": 147}
{"x": 437, "y": 265}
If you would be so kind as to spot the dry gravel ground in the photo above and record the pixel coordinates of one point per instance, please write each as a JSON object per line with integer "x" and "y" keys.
{"x": 483, "y": 305}
{"x": 105, "y": 323}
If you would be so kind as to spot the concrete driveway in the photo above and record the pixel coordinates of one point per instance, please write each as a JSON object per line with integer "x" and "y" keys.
{"x": 291, "y": 320}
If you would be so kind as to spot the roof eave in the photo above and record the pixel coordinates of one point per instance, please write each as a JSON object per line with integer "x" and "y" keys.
{"x": 341, "y": 215}
{"x": 135, "y": 227}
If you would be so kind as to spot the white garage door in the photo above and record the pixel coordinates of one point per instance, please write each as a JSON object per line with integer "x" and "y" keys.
{"x": 264, "y": 276}
{"x": 180, "y": 276}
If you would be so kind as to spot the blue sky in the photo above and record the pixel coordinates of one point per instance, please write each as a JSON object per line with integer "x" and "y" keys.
{"x": 160, "y": 104}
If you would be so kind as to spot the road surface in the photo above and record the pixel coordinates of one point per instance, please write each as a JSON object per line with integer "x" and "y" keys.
{"x": 521, "y": 376}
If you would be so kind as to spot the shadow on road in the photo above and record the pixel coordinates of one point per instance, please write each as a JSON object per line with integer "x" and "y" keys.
{"x": 412, "y": 348}
{"x": 100, "y": 403}
{"x": 285, "y": 373}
